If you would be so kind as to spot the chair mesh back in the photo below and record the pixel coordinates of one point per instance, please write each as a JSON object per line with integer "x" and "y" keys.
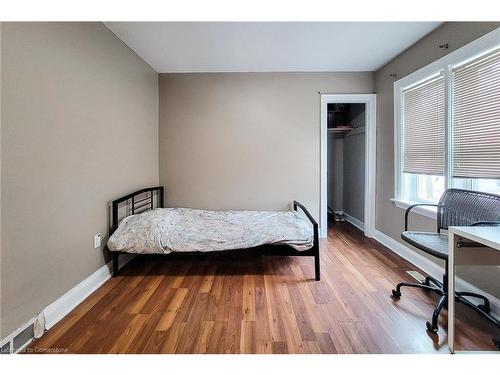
{"x": 459, "y": 207}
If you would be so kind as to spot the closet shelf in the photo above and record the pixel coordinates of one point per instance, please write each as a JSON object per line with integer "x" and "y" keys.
{"x": 340, "y": 129}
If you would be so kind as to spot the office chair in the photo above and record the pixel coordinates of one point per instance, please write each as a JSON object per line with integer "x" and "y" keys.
{"x": 457, "y": 207}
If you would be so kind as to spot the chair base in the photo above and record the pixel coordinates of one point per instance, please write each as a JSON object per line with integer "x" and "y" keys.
{"x": 432, "y": 285}
{"x": 430, "y": 327}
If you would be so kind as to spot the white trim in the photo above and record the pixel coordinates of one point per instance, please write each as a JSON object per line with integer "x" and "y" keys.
{"x": 370, "y": 100}
{"x": 67, "y": 302}
{"x": 432, "y": 268}
{"x": 445, "y": 64}
{"x": 357, "y": 223}
{"x": 430, "y": 212}
{"x": 323, "y": 196}
{"x": 351, "y": 219}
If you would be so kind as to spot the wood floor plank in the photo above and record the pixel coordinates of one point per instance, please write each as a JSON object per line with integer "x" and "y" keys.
{"x": 123, "y": 343}
{"x": 248, "y": 341}
{"x": 301, "y": 315}
{"x": 152, "y": 284}
{"x": 279, "y": 348}
{"x": 249, "y": 298}
{"x": 325, "y": 343}
{"x": 107, "y": 336}
{"x": 263, "y": 331}
{"x": 202, "y": 340}
{"x": 214, "y": 296}
{"x": 233, "y": 332}
{"x": 293, "y": 336}
{"x": 208, "y": 279}
{"x": 263, "y": 305}
{"x": 160, "y": 297}
{"x": 216, "y": 342}
{"x": 156, "y": 342}
{"x": 274, "y": 312}
{"x": 172, "y": 309}
{"x": 172, "y": 341}
{"x": 140, "y": 342}
{"x": 264, "y": 347}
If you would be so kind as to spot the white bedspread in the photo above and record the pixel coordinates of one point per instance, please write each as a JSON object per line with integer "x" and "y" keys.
{"x": 166, "y": 230}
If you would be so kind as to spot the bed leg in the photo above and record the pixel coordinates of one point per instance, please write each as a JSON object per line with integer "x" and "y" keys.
{"x": 316, "y": 266}
{"x": 316, "y": 251}
{"x": 114, "y": 272}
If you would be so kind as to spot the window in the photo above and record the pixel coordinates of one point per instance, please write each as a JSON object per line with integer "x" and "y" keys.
{"x": 476, "y": 118}
{"x": 447, "y": 119}
{"x": 423, "y": 139}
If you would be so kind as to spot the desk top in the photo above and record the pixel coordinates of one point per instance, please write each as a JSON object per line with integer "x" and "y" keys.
{"x": 489, "y": 236}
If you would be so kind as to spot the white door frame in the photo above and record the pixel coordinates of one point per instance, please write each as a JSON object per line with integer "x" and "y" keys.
{"x": 370, "y": 100}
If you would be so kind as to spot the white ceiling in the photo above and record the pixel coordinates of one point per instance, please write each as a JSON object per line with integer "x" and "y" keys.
{"x": 174, "y": 47}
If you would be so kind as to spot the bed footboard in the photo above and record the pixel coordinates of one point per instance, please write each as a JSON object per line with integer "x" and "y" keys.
{"x": 315, "y": 248}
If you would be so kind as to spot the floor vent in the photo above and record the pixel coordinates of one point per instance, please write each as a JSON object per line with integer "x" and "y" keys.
{"x": 5, "y": 349}
{"x": 23, "y": 338}
{"x": 417, "y": 276}
{"x": 18, "y": 341}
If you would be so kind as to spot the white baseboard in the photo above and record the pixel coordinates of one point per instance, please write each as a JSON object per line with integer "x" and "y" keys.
{"x": 67, "y": 302}
{"x": 351, "y": 219}
{"x": 433, "y": 269}
{"x": 357, "y": 223}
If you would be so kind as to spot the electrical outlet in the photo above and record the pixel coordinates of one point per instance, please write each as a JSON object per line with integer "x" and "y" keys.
{"x": 97, "y": 240}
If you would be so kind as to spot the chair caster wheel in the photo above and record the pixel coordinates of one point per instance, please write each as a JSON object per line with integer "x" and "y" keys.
{"x": 484, "y": 308}
{"x": 396, "y": 294}
{"x": 430, "y": 328}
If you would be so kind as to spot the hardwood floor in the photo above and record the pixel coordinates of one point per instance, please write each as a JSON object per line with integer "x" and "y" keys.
{"x": 261, "y": 305}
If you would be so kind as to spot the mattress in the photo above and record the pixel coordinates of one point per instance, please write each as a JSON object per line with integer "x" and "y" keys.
{"x": 166, "y": 230}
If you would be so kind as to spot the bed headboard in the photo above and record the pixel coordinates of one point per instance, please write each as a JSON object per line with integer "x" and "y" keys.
{"x": 139, "y": 201}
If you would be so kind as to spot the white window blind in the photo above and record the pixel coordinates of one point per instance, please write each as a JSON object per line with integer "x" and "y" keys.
{"x": 424, "y": 127}
{"x": 476, "y": 118}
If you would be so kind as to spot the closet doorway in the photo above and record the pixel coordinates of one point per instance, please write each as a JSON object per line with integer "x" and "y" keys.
{"x": 348, "y": 161}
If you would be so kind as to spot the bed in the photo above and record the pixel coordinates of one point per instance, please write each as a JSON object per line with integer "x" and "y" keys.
{"x": 142, "y": 225}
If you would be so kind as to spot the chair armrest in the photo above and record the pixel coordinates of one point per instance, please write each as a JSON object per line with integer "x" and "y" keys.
{"x": 407, "y": 212}
{"x": 486, "y": 224}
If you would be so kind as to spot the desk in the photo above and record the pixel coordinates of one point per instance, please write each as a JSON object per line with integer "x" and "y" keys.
{"x": 489, "y": 255}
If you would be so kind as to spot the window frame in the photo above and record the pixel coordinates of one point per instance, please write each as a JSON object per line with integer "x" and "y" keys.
{"x": 444, "y": 65}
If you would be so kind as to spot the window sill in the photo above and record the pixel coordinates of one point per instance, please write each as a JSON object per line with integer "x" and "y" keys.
{"x": 430, "y": 212}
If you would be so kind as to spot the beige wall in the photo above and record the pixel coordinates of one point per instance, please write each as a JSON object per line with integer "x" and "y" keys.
{"x": 389, "y": 218}
{"x": 245, "y": 140}
{"x": 79, "y": 127}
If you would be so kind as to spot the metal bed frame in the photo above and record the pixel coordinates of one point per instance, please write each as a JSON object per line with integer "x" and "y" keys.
{"x": 148, "y": 199}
